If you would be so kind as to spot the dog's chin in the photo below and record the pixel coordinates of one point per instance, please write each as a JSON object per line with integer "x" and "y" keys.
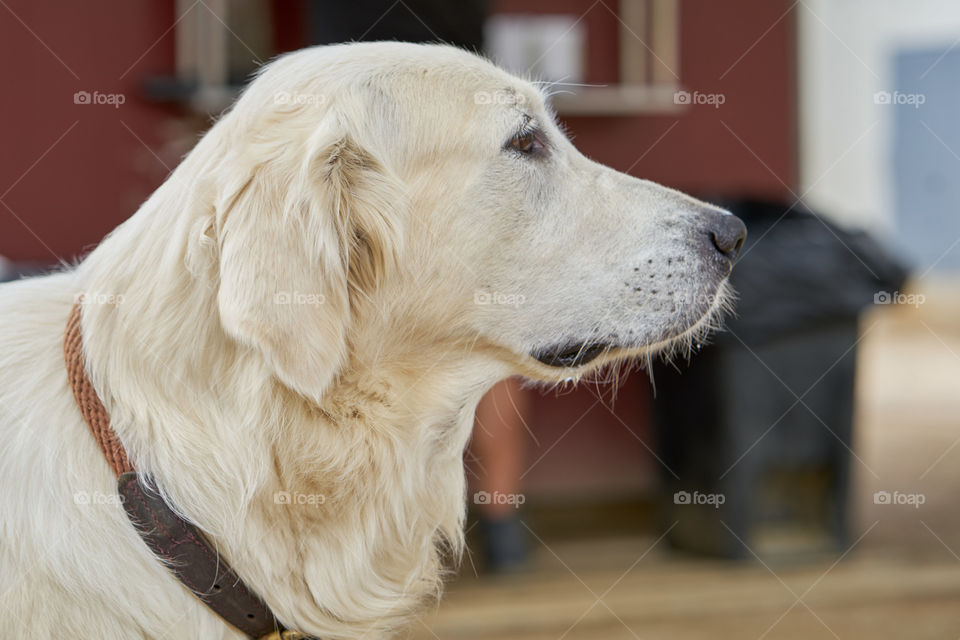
{"x": 588, "y": 354}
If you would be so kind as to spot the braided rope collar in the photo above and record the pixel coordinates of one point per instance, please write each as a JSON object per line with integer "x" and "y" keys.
{"x": 179, "y": 544}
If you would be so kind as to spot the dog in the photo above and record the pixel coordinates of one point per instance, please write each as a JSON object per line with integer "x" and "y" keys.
{"x": 311, "y": 307}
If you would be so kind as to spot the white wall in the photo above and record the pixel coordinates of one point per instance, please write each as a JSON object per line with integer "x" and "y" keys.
{"x": 846, "y": 50}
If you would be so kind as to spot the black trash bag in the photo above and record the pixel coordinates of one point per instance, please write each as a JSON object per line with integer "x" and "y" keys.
{"x": 799, "y": 270}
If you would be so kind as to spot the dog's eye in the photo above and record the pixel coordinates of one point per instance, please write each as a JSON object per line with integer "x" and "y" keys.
{"x": 527, "y": 143}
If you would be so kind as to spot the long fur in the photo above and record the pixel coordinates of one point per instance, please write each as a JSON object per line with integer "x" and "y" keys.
{"x": 286, "y": 339}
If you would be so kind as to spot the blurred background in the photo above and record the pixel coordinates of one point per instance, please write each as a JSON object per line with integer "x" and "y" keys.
{"x": 798, "y": 477}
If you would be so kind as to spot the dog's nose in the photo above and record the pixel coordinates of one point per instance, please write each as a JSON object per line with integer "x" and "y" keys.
{"x": 727, "y": 232}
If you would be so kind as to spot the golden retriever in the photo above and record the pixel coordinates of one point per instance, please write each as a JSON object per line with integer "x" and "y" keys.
{"x": 292, "y": 333}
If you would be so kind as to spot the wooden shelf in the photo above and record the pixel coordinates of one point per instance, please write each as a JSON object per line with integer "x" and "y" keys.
{"x": 620, "y": 100}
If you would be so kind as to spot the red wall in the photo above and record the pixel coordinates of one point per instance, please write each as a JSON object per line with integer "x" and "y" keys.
{"x": 700, "y": 154}
{"x": 69, "y": 173}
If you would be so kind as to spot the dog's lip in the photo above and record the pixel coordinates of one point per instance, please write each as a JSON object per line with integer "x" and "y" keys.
{"x": 569, "y": 355}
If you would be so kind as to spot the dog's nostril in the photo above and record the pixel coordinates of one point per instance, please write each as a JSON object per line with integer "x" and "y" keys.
{"x": 728, "y": 235}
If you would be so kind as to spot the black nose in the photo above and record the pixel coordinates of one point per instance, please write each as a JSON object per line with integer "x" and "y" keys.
{"x": 727, "y": 233}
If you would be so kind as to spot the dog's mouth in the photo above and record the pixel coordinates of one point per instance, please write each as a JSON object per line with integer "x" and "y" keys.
{"x": 681, "y": 333}
{"x": 571, "y": 355}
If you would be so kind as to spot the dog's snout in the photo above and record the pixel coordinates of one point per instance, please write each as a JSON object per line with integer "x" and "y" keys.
{"x": 727, "y": 233}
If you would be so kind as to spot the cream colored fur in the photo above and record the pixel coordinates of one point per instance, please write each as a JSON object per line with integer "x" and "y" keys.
{"x": 313, "y": 303}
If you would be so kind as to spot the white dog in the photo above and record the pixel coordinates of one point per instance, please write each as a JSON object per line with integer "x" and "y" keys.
{"x": 313, "y": 303}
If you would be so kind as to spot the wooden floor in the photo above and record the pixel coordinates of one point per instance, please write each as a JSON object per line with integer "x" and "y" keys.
{"x": 568, "y": 596}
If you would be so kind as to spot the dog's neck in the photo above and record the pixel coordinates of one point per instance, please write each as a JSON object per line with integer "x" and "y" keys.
{"x": 333, "y": 512}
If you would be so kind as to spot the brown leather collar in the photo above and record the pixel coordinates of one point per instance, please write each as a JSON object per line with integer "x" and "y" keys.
{"x": 179, "y": 544}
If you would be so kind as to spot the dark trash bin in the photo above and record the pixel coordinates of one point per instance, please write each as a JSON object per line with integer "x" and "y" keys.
{"x": 16, "y": 270}
{"x": 755, "y": 432}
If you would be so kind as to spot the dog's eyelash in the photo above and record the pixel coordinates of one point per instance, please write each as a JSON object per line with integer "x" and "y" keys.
{"x": 530, "y": 127}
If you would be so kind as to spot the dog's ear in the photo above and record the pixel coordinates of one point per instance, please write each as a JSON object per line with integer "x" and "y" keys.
{"x": 314, "y": 226}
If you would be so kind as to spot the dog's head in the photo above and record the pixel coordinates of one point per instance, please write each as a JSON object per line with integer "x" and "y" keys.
{"x": 418, "y": 194}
